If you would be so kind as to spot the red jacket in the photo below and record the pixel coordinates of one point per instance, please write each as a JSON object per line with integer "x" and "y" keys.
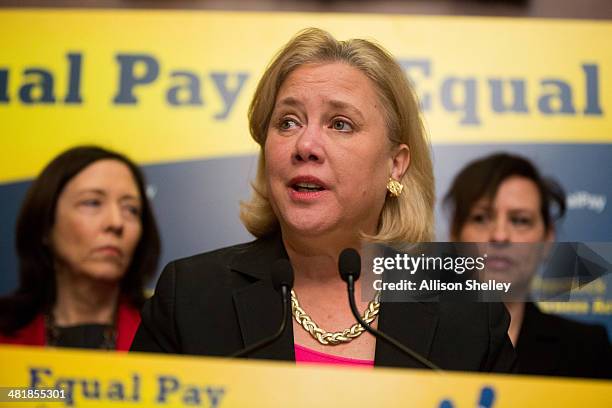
{"x": 128, "y": 319}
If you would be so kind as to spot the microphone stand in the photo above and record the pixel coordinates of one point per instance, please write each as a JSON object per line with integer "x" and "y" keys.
{"x": 350, "y": 282}
{"x": 262, "y": 343}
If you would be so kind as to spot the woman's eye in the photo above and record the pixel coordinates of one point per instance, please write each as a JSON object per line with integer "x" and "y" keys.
{"x": 91, "y": 202}
{"x": 133, "y": 210}
{"x": 342, "y": 125}
{"x": 287, "y": 124}
{"x": 479, "y": 218}
{"x": 521, "y": 221}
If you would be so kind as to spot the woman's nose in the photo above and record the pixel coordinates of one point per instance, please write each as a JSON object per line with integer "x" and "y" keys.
{"x": 499, "y": 232}
{"x": 308, "y": 145}
{"x": 114, "y": 219}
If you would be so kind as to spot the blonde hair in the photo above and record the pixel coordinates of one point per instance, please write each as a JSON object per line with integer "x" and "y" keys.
{"x": 407, "y": 218}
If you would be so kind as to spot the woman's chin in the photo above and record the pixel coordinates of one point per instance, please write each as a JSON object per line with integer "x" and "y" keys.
{"x": 107, "y": 273}
{"x": 309, "y": 227}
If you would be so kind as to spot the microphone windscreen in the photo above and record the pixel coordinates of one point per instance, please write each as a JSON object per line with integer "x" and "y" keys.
{"x": 282, "y": 274}
{"x": 349, "y": 263}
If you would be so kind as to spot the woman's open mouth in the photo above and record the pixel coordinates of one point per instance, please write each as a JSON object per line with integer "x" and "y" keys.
{"x": 306, "y": 187}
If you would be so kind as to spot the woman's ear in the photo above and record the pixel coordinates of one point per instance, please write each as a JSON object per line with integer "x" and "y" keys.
{"x": 401, "y": 161}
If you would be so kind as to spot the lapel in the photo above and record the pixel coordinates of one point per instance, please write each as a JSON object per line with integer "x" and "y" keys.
{"x": 539, "y": 345}
{"x": 128, "y": 319}
{"x": 411, "y": 323}
{"x": 258, "y": 305}
{"x": 259, "y": 310}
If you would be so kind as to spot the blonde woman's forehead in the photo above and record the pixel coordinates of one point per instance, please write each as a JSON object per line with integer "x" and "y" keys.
{"x": 335, "y": 86}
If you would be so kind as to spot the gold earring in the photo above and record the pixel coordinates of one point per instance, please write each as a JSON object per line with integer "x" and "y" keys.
{"x": 394, "y": 187}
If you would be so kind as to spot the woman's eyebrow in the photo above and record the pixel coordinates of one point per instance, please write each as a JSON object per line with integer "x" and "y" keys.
{"x": 91, "y": 190}
{"x": 290, "y": 101}
{"x": 345, "y": 106}
{"x": 101, "y": 192}
{"x": 482, "y": 206}
{"x": 130, "y": 197}
{"x": 521, "y": 210}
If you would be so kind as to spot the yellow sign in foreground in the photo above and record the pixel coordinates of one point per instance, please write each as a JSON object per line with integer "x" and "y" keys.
{"x": 105, "y": 379}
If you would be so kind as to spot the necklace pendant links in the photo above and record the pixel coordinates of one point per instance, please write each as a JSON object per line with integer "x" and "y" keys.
{"x": 334, "y": 338}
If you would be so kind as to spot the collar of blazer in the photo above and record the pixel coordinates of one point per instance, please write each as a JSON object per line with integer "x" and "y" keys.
{"x": 539, "y": 342}
{"x": 259, "y": 311}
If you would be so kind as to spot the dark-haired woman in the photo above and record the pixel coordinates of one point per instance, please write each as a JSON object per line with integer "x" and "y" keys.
{"x": 502, "y": 199}
{"x": 87, "y": 243}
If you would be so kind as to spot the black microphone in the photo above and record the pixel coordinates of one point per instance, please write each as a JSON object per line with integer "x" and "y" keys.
{"x": 282, "y": 280}
{"x": 349, "y": 265}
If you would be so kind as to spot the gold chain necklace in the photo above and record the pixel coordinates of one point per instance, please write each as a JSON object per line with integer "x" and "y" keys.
{"x": 327, "y": 338}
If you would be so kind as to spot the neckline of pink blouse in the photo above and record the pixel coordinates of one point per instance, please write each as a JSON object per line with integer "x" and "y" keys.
{"x": 306, "y": 355}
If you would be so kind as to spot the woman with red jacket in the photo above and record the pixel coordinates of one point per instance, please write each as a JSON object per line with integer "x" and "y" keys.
{"x": 87, "y": 243}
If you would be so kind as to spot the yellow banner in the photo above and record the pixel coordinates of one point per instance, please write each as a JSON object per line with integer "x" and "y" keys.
{"x": 105, "y": 379}
{"x": 175, "y": 85}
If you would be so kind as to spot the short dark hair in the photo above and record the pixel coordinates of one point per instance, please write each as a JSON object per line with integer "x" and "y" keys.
{"x": 37, "y": 286}
{"x": 482, "y": 178}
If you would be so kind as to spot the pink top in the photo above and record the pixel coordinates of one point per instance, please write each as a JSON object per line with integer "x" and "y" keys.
{"x": 306, "y": 355}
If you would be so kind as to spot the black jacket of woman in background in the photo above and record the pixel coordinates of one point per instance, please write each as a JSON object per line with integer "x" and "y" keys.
{"x": 552, "y": 345}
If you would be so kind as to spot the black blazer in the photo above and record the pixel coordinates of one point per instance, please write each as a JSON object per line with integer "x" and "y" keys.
{"x": 219, "y": 302}
{"x": 552, "y": 345}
